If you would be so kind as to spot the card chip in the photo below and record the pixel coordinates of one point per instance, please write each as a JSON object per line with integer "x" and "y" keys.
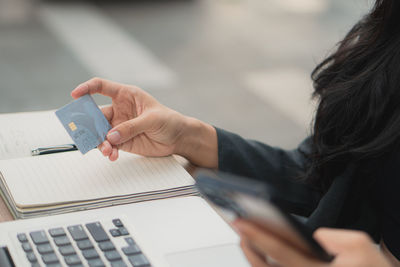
{"x": 72, "y": 126}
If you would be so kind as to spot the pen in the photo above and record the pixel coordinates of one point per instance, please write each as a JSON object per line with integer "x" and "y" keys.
{"x": 53, "y": 149}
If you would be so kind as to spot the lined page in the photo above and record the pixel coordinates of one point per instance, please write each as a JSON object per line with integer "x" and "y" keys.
{"x": 22, "y": 132}
{"x": 66, "y": 177}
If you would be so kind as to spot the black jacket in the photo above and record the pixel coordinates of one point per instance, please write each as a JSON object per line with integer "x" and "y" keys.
{"x": 350, "y": 202}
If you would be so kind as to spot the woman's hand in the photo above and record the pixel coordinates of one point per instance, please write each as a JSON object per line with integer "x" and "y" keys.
{"x": 351, "y": 248}
{"x": 143, "y": 126}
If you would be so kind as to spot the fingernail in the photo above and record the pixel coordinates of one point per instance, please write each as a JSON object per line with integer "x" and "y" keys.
{"x": 82, "y": 85}
{"x": 114, "y": 137}
{"x": 102, "y": 149}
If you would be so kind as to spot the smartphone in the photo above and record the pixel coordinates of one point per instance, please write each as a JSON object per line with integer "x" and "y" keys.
{"x": 260, "y": 203}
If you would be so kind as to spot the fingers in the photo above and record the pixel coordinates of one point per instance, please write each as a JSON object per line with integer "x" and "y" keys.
{"x": 108, "y": 112}
{"x": 114, "y": 154}
{"x": 252, "y": 256}
{"x": 128, "y": 130}
{"x": 96, "y": 86}
{"x": 273, "y": 246}
{"x": 106, "y": 148}
{"x": 109, "y": 151}
{"x": 337, "y": 241}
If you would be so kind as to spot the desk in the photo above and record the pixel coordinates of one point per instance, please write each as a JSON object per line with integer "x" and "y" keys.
{"x": 5, "y": 214}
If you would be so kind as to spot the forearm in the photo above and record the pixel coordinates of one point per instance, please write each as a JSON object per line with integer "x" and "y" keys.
{"x": 198, "y": 143}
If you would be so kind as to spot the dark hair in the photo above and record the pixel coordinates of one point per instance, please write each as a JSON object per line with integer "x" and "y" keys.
{"x": 358, "y": 89}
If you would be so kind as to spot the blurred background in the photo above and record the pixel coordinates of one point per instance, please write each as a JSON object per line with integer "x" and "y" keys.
{"x": 243, "y": 65}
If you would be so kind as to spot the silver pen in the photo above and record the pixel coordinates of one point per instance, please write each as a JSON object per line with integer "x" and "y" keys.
{"x": 53, "y": 149}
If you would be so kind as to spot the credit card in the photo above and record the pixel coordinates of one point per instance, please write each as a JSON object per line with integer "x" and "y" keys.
{"x": 84, "y": 122}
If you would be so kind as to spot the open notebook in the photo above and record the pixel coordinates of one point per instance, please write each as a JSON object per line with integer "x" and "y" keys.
{"x": 63, "y": 182}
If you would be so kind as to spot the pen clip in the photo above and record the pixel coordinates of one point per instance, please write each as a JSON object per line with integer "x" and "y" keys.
{"x": 60, "y": 148}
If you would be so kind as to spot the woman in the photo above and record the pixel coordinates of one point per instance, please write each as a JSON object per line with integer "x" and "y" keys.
{"x": 345, "y": 173}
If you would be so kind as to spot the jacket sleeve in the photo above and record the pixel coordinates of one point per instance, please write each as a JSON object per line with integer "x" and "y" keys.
{"x": 257, "y": 160}
{"x": 279, "y": 167}
{"x": 389, "y": 199}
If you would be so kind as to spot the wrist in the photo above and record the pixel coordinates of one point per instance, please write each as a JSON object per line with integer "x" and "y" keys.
{"x": 198, "y": 143}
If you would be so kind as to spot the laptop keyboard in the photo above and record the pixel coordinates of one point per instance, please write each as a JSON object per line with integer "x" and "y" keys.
{"x": 83, "y": 245}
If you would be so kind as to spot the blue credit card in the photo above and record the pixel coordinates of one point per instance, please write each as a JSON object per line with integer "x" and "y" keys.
{"x": 84, "y": 122}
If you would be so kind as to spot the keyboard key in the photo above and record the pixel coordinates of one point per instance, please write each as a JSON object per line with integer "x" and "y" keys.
{"x": 62, "y": 240}
{"x": 130, "y": 250}
{"x": 130, "y": 241}
{"x": 54, "y": 265}
{"x": 123, "y": 231}
{"x": 139, "y": 260}
{"x": 39, "y": 237}
{"x": 90, "y": 254}
{"x": 117, "y": 222}
{"x": 77, "y": 232}
{"x": 26, "y": 247}
{"x": 50, "y": 258}
{"x": 22, "y": 238}
{"x": 84, "y": 244}
{"x": 66, "y": 250}
{"x": 118, "y": 264}
{"x": 97, "y": 231}
{"x": 45, "y": 248}
{"x": 72, "y": 260}
{"x": 115, "y": 232}
{"x": 112, "y": 255}
{"x": 107, "y": 245}
{"x": 57, "y": 232}
{"x": 96, "y": 263}
{"x": 35, "y": 264}
{"x": 31, "y": 257}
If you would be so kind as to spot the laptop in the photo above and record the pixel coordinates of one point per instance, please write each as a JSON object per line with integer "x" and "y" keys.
{"x": 176, "y": 232}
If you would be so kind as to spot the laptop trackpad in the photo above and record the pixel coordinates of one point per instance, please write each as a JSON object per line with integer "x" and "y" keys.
{"x": 226, "y": 255}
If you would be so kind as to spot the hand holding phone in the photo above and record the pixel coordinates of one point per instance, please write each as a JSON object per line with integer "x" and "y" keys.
{"x": 351, "y": 249}
{"x": 262, "y": 206}
{"x": 270, "y": 235}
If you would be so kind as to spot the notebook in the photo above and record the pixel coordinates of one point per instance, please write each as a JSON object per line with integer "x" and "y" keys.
{"x": 65, "y": 182}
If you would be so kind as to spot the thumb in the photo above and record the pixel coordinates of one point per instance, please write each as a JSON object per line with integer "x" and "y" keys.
{"x": 128, "y": 130}
{"x": 339, "y": 241}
